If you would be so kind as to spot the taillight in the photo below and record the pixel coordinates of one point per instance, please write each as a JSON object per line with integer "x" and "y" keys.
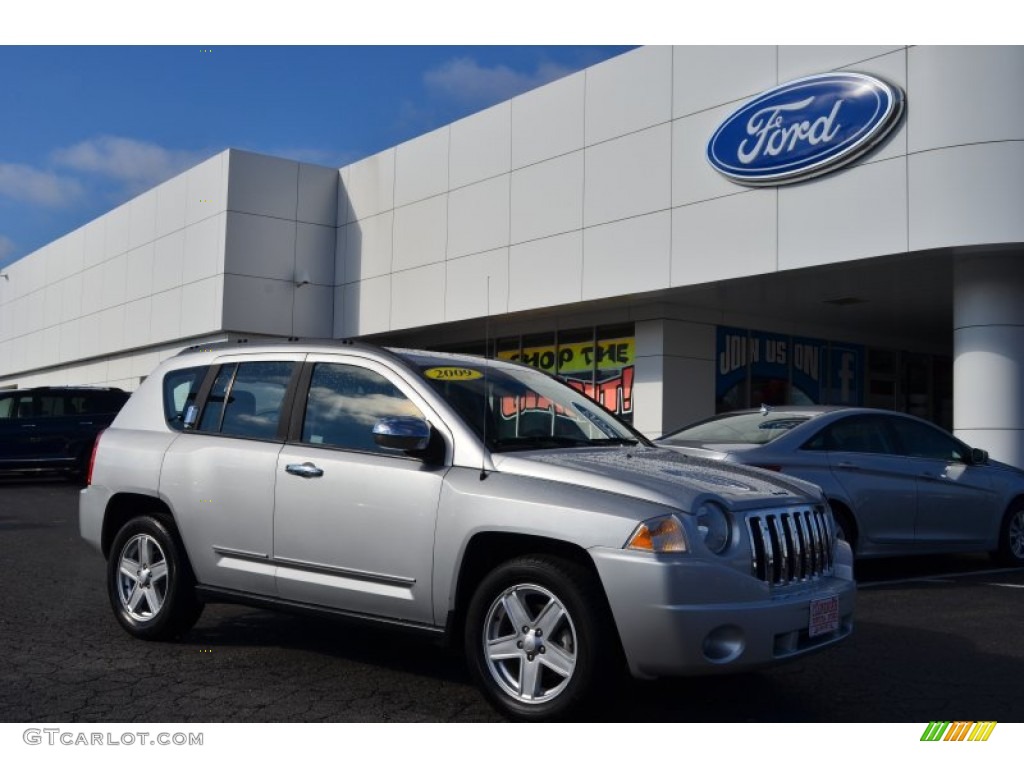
{"x": 92, "y": 458}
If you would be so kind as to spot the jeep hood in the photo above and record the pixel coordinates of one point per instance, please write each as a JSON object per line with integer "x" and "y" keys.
{"x": 660, "y": 476}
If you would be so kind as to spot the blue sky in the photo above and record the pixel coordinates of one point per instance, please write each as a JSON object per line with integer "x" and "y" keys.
{"x": 87, "y": 128}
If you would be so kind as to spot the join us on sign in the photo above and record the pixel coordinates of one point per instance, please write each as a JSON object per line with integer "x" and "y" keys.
{"x": 741, "y": 351}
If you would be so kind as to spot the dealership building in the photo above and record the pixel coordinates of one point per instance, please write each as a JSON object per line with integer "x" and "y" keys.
{"x": 678, "y": 231}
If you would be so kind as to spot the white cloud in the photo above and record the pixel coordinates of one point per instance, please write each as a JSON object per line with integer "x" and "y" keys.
{"x": 139, "y": 164}
{"x": 464, "y": 81}
{"x": 7, "y": 248}
{"x": 24, "y": 183}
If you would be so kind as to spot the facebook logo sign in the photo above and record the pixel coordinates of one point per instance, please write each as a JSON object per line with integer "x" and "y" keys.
{"x": 845, "y": 375}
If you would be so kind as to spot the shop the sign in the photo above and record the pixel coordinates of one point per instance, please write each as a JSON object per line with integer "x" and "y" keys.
{"x": 602, "y": 371}
{"x": 804, "y": 128}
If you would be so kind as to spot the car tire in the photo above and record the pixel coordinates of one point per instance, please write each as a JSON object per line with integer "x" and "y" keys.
{"x": 149, "y": 580}
{"x": 1011, "y": 535}
{"x": 538, "y": 639}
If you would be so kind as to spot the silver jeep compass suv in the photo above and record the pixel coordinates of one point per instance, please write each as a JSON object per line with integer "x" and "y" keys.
{"x": 467, "y": 498}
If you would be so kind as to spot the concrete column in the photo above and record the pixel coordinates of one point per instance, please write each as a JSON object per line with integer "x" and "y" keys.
{"x": 988, "y": 350}
{"x": 674, "y": 381}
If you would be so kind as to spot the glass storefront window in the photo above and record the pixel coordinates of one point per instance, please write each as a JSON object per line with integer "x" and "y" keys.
{"x": 539, "y": 351}
{"x": 756, "y": 368}
{"x": 615, "y": 361}
{"x": 599, "y": 362}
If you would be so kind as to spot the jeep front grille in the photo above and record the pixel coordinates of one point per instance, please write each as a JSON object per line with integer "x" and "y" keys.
{"x": 791, "y": 545}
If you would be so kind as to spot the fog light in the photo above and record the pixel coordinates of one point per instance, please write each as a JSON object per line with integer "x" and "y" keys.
{"x": 724, "y": 644}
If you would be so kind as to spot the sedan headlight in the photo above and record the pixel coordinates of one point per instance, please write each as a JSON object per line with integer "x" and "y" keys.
{"x": 713, "y": 525}
{"x": 659, "y": 534}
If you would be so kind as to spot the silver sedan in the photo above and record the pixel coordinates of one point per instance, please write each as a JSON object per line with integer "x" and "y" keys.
{"x": 897, "y": 485}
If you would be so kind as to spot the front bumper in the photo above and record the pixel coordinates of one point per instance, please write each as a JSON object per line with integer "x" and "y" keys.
{"x": 678, "y": 615}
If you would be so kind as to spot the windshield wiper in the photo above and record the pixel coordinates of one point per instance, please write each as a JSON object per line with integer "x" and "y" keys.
{"x": 537, "y": 441}
{"x": 556, "y": 441}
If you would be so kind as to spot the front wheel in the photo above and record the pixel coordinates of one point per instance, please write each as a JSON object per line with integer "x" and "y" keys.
{"x": 1011, "y": 535}
{"x": 150, "y": 581}
{"x": 537, "y": 637}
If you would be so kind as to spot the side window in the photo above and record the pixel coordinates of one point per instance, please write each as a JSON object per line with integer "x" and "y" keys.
{"x": 102, "y": 401}
{"x": 51, "y": 405}
{"x": 857, "y": 434}
{"x": 246, "y": 399}
{"x": 344, "y": 403}
{"x": 180, "y": 391}
{"x": 6, "y": 407}
{"x": 254, "y": 403}
{"x": 819, "y": 442}
{"x": 926, "y": 442}
{"x": 26, "y": 408}
{"x": 214, "y": 409}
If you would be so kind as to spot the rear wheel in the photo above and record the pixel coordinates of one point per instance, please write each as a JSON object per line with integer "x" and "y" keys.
{"x": 149, "y": 580}
{"x": 538, "y": 639}
{"x": 1011, "y": 536}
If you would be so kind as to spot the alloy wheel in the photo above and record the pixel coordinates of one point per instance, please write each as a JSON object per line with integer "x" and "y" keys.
{"x": 1015, "y": 534}
{"x": 142, "y": 577}
{"x": 530, "y": 643}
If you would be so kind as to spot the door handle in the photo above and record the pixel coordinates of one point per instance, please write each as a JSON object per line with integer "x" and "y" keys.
{"x": 847, "y": 465}
{"x": 307, "y": 469}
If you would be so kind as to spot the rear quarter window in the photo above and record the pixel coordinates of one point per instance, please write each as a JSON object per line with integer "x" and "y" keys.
{"x": 181, "y": 388}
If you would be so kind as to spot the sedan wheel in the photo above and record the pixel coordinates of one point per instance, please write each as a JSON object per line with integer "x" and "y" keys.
{"x": 1011, "y": 540}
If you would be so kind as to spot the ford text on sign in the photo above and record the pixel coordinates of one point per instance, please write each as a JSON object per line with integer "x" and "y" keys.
{"x": 804, "y": 128}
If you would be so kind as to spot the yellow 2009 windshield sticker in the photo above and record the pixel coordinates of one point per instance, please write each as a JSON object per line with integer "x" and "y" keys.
{"x": 452, "y": 373}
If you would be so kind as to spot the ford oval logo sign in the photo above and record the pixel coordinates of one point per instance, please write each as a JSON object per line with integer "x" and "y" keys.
{"x": 804, "y": 128}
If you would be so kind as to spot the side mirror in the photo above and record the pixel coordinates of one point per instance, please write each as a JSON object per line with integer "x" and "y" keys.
{"x": 979, "y": 456}
{"x": 402, "y": 433}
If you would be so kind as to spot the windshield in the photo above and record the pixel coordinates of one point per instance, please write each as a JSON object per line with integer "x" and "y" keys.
{"x": 751, "y": 428}
{"x": 512, "y": 407}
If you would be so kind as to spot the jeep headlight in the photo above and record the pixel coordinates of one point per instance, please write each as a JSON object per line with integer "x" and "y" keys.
{"x": 659, "y": 534}
{"x": 713, "y": 525}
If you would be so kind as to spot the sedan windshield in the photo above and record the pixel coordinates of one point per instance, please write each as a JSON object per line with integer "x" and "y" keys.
{"x": 738, "y": 428}
{"x": 512, "y": 407}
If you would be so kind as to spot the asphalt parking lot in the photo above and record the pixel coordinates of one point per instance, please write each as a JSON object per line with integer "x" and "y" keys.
{"x": 935, "y": 639}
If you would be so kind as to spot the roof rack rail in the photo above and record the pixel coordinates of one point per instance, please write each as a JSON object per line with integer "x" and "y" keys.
{"x": 214, "y": 346}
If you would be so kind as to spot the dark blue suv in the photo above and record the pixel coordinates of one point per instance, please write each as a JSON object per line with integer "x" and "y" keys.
{"x": 54, "y": 427}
